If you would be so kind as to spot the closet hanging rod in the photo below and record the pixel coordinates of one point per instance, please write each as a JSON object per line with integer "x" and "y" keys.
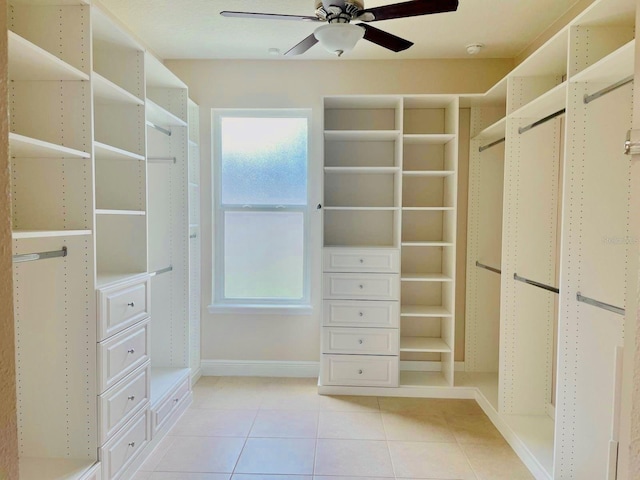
{"x": 492, "y": 144}
{"x": 487, "y": 267}
{"x": 599, "y": 304}
{"x": 535, "y": 284}
{"x": 30, "y": 257}
{"x": 541, "y": 121}
{"x": 193, "y": 235}
{"x": 161, "y": 271}
{"x": 610, "y": 88}
{"x": 159, "y": 128}
{"x": 162, "y": 159}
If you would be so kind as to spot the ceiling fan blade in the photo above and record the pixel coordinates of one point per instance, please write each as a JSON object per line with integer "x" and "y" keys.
{"x": 407, "y": 9}
{"x": 268, "y": 16}
{"x": 384, "y": 39}
{"x": 303, "y": 46}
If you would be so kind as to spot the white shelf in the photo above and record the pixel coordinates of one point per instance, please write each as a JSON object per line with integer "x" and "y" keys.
{"x": 496, "y": 130}
{"x": 612, "y": 68}
{"x": 425, "y": 277}
{"x": 27, "y": 61}
{"x": 110, "y": 152}
{"x": 371, "y": 170}
{"x": 163, "y": 379}
{"x": 105, "y": 29}
{"x": 157, "y": 75}
{"x": 19, "y": 234}
{"x": 536, "y": 432}
{"x": 27, "y": 147}
{"x": 424, "y": 345}
{"x": 102, "y": 211}
{"x": 546, "y": 104}
{"x": 54, "y": 468}
{"x": 428, "y": 138}
{"x": 427, "y": 244}
{"x": 161, "y": 116}
{"x": 423, "y": 311}
{"x": 428, "y": 209}
{"x": 422, "y": 379}
{"x": 108, "y": 92}
{"x": 111, "y": 278}
{"x": 428, "y": 173}
{"x": 364, "y": 209}
{"x": 362, "y": 135}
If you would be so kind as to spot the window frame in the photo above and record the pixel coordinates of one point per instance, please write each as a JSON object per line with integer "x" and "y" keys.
{"x": 221, "y": 304}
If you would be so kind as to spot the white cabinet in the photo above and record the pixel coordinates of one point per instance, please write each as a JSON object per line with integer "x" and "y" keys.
{"x": 359, "y": 370}
{"x": 122, "y": 449}
{"x": 390, "y": 194}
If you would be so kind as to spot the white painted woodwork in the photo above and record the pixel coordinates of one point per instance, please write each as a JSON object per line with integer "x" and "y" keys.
{"x": 359, "y": 370}
{"x": 345, "y": 313}
{"x": 361, "y": 260}
{"x": 122, "y": 305}
{"x": 360, "y": 341}
{"x": 117, "y": 454}
{"x": 170, "y": 402}
{"x": 351, "y": 286}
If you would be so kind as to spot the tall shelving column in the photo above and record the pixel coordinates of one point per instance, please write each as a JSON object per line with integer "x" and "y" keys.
{"x": 194, "y": 238}
{"x": 52, "y": 210}
{"x": 119, "y": 145}
{"x": 428, "y": 240}
{"x": 168, "y": 182}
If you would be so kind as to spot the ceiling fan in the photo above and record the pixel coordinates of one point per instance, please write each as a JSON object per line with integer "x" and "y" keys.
{"x": 339, "y": 35}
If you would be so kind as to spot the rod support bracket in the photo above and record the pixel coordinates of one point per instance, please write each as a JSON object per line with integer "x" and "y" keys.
{"x": 632, "y": 143}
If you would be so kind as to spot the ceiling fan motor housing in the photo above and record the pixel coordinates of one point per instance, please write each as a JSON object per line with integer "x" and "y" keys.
{"x": 337, "y": 11}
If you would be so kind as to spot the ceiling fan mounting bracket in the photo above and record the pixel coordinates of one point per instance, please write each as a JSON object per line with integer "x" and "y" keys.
{"x": 342, "y": 13}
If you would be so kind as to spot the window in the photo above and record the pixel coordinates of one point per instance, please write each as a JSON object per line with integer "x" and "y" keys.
{"x": 260, "y": 223}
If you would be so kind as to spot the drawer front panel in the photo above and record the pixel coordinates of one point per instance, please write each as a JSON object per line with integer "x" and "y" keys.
{"x": 121, "y": 307}
{"x": 361, "y": 286}
{"x": 121, "y": 450}
{"x": 364, "y": 341}
{"x": 119, "y": 404}
{"x": 122, "y": 354}
{"x": 361, "y": 260}
{"x": 360, "y": 370}
{"x": 343, "y": 313}
{"x": 164, "y": 410}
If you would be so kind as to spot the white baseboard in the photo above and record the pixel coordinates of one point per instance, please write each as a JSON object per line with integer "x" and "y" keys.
{"x": 195, "y": 375}
{"x": 258, "y": 368}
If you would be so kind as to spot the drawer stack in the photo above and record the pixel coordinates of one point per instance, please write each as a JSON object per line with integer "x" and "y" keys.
{"x": 123, "y": 373}
{"x": 361, "y": 317}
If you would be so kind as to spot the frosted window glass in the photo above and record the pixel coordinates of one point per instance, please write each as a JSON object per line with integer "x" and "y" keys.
{"x": 264, "y": 255}
{"x": 264, "y": 161}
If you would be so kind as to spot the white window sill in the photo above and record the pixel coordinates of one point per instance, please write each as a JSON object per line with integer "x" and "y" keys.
{"x": 261, "y": 309}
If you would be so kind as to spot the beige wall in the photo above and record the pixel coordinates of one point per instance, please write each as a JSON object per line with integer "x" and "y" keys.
{"x": 8, "y": 428}
{"x": 300, "y": 84}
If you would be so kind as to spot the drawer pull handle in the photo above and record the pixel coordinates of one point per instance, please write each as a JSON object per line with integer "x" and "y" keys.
{"x": 131, "y": 350}
{"x": 176, "y": 400}
{"x": 132, "y": 397}
{"x": 361, "y": 286}
{"x": 132, "y": 444}
{"x": 362, "y": 260}
{"x": 131, "y": 304}
{"x": 359, "y": 372}
{"x": 361, "y": 341}
{"x": 361, "y": 314}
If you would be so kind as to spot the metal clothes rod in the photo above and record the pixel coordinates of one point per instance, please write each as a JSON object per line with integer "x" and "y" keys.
{"x": 161, "y": 271}
{"x": 30, "y": 257}
{"x": 492, "y": 144}
{"x": 596, "y": 303}
{"x": 541, "y": 121}
{"x": 159, "y": 128}
{"x": 487, "y": 267}
{"x": 535, "y": 284}
{"x": 162, "y": 159}
{"x": 610, "y": 88}
{"x": 193, "y": 236}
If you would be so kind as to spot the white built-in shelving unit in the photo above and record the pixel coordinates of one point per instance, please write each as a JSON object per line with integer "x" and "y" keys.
{"x": 100, "y": 381}
{"x": 548, "y": 200}
{"x": 389, "y": 193}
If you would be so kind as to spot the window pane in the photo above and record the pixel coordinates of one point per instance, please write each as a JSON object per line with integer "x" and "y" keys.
{"x": 264, "y": 254}
{"x": 264, "y": 161}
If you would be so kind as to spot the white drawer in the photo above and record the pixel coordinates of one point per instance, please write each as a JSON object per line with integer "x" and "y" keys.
{"x": 120, "y": 403}
{"x": 122, "y": 354}
{"x": 117, "y": 454}
{"x": 167, "y": 406}
{"x": 345, "y": 313}
{"x": 380, "y": 260}
{"x": 360, "y": 370}
{"x": 94, "y": 473}
{"x": 363, "y": 341}
{"x": 121, "y": 306}
{"x": 361, "y": 286}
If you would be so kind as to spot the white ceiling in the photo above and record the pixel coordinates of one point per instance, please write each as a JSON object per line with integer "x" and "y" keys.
{"x": 194, "y": 28}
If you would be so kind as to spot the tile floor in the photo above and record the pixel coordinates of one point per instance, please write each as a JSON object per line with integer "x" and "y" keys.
{"x": 242, "y": 428}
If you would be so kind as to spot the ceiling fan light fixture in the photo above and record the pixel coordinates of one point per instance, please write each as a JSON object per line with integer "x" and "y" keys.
{"x": 338, "y": 38}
